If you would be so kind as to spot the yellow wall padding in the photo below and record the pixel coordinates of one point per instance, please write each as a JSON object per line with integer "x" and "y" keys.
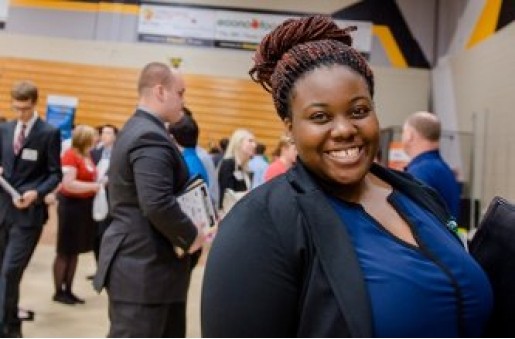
{"x": 390, "y": 46}
{"x": 108, "y": 95}
{"x": 486, "y": 23}
{"x": 78, "y": 6}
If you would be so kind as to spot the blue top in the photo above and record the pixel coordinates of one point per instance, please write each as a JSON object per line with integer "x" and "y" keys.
{"x": 258, "y": 165}
{"x": 411, "y": 289}
{"x": 195, "y": 166}
{"x": 430, "y": 168}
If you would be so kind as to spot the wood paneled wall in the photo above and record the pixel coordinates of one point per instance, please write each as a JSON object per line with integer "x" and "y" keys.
{"x": 108, "y": 95}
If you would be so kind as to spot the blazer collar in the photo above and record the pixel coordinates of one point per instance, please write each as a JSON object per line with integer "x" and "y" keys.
{"x": 8, "y": 148}
{"x": 141, "y": 113}
{"x": 335, "y": 250}
{"x": 11, "y": 127}
{"x": 29, "y": 124}
{"x": 303, "y": 181}
{"x": 333, "y": 242}
{"x": 38, "y": 124}
{"x": 418, "y": 191}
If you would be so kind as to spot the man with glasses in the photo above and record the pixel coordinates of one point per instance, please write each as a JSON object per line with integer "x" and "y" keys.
{"x": 30, "y": 163}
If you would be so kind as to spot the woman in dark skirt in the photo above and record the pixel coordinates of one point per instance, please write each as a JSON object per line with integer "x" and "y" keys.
{"x": 76, "y": 229}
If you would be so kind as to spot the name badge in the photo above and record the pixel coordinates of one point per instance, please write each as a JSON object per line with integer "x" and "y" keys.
{"x": 29, "y": 154}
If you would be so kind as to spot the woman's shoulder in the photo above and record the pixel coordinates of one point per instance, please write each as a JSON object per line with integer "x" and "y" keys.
{"x": 70, "y": 156}
{"x": 267, "y": 213}
{"x": 274, "y": 200}
{"x": 277, "y": 188}
{"x": 227, "y": 161}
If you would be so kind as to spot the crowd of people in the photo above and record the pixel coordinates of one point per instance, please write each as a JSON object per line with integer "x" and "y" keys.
{"x": 323, "y": 241}
{"x": 72, "y": 173}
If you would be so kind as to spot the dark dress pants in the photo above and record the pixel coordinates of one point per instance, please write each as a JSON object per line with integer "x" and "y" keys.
{"x": 129, "y": 320}
{"x": 18, "y": 243}
{"x": 101, "y": 228}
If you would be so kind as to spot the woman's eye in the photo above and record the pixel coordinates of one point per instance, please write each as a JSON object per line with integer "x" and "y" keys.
{"x": 319, "y": 117}
{"x": 360, "y": 112}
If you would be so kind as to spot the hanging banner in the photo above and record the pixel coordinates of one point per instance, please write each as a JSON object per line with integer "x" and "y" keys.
{"x": 61, "y": 113}
{"x": 4, "y": 6}
{"x": 176, "y": 24}
{"x": 187, "y": 26}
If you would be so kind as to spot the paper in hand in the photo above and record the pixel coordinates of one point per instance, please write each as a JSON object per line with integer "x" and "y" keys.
{"x": 9, "y": 189}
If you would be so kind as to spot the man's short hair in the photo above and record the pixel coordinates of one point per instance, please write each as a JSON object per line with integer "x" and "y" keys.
{"x": 113, "y": 127}
{"x": 25, "y": 90}
{"x": 185, "y": 132}
{"x": 260, "y": 148}
{"x": 154, "y": 73}
{"x": 426, "y": 124}
{"x": 223, "y": 144}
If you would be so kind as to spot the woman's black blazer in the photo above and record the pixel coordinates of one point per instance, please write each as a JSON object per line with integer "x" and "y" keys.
{"x": 283, "y": 264}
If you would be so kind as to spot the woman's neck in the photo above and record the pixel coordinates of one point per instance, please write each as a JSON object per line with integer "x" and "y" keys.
{"x": 286, "y": 162}
{"x": 360, "y": 192}
{"x": 241, "y": 160}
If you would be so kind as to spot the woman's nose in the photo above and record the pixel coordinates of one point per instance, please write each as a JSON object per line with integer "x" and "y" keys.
{"x": 343, "y": 127}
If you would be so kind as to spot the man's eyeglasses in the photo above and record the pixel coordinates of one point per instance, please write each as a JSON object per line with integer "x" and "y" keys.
{"x": 22, "y": 109}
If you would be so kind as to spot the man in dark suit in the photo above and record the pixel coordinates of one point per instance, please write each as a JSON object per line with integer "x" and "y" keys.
{"x": 141, "y": 262}
{"x": 29, "y": 161}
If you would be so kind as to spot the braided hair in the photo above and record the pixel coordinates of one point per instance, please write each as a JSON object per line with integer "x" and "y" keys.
{"x": 298, "y": 46}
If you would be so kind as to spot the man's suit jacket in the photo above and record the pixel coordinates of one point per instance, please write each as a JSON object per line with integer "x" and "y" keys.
{"x": 37, "y": 166}
{"x": 137, "y": 261}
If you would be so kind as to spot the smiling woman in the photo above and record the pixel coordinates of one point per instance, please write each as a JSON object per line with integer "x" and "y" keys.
{"x": 334, "y": 125}
{"x": 338, "y": 246}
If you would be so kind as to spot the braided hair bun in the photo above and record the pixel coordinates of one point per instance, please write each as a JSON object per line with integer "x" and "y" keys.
{"x": 300, "y": 45}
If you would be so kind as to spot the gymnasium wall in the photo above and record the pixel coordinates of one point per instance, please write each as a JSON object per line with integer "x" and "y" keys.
{"x": 483, "y": 82}
{"x": 107, "y": 94}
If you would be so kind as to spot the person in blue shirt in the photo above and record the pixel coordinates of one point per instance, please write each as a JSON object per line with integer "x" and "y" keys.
{"x": 258, "y": 165}
{"x": 185, "y": 132}
{"x": 421, "y": 141}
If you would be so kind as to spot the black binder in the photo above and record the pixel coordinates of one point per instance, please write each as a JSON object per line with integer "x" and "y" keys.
{"x": 493, "y": 247}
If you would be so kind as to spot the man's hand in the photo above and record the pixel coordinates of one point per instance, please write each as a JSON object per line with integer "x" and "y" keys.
{"x": 26, "y": 199}
{"x": 1, "y": 170}
{"x": 50, "y": 198}
{"x": 205, "y": 234}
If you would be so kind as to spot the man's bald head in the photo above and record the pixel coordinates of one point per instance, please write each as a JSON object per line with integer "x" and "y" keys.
{"x": 161, "y": 91}
{"x": 426, "y": 124}
{"x": 154, "y": 73}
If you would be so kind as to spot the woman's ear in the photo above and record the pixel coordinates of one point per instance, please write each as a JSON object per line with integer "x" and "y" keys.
{"x": 287, "y": 127}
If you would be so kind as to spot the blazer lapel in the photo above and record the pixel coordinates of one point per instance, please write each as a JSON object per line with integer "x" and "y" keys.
{"x": 337, "y": 255}
{"x": 33, "y": 132}
{"x": 8, "y": 148}
{"x": 148, "y": 116}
